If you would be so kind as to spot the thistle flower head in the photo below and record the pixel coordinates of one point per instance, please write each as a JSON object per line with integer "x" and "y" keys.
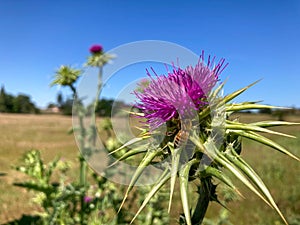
{"x": 95, "y": 49}
{"x": 180, "y": 93}
{"x": 98, "y": 57}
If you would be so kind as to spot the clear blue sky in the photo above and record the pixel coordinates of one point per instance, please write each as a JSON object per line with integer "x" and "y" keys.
{"x": 259, "y": 39}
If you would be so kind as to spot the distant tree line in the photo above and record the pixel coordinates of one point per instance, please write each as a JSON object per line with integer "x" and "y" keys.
{"x": 16, "y": 104}
{"x": 64, "y": 105}
{"x": 104, "y": 107}
{"x": 280, "y": 113}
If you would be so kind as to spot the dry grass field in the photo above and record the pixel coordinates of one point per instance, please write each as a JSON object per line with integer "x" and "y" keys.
{"x": 20, "y": 133}
{"x": 48, "y": 133}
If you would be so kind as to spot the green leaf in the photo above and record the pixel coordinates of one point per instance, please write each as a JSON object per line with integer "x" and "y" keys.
{"x": 239, "y": 107}
{"x": 184, "y": 193}
{"x": 214, "y": 94}
{"x": 130, "y": 142}
{"x": 139, "y": 114}
{"x": 145, "y": 162}
{"x": 237, "y": 93}
{"x": 131, "y": 152}
{"x": 273, "y": 123}
{"x": 36, "y": 187}
{"x": 222, "y": 160}
{"x": 206, "y": 111}
{"x": 214, "y": 172}
{"x": 196, "y": 141}
{"x": 174, "y": 168}
{"x": 263, "y": 140}
{"x": 157, "y": 186}
{"x": 232, "y": 125}
{"x": 247, "y": 169}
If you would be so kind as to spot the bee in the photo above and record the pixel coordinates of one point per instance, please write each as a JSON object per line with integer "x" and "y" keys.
{"x": 183, "y": 134}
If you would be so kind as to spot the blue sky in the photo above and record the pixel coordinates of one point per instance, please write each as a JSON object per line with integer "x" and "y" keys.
{"x": 259, "y": 39}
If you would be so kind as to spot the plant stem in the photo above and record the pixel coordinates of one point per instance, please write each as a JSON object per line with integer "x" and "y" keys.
{"x": 205, "y": 191}
{"x": 99, "y": 86}
{"x": 82, "y": 171}
{"x": 83, "y": 166}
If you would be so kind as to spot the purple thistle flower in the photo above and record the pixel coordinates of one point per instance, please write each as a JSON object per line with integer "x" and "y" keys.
{"x": 94, "y": 49}
{"x": 87, "y": 199}
{"x": 179, "y": 94}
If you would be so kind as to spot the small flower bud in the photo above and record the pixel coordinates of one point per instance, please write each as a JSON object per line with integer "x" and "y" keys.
{"x": 87, "y": 199}
{"x": 95, "y": 49}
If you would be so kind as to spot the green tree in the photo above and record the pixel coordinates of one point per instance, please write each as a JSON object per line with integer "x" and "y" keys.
{"x": 59, "y": 99}
{"x": 2, "y": 100}
{"x": 22, "y": 104}
{"x": 19, "y": 104}
{"x": 67, "y": 106}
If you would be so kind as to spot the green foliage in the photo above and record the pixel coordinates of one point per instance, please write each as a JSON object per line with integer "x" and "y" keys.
{"x": 66, "y": 106}
{"x": 59, "y": 99}
{"x": 156, "y": 212}
{"x": 27, "y": 220}
{"x": 64, "y": 202}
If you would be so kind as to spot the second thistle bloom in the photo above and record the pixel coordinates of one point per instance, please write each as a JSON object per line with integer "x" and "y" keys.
{"x": 180, "y": 93}
{"x": 94, "y": 49}
{"x": 98, "y": 57}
